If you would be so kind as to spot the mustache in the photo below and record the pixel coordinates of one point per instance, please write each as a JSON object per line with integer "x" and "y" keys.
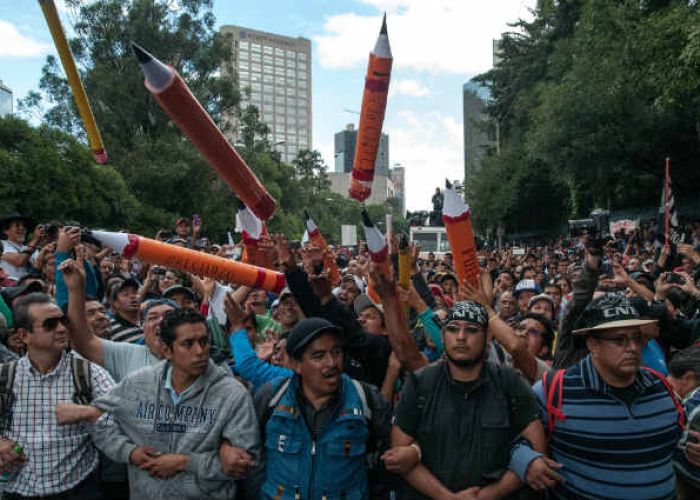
{"x": 331, "y": 373}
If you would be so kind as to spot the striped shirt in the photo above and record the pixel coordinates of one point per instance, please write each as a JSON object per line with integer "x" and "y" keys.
{"x": 59, "y": 457}
{"x": 610, "y": 450}
{"x": 124, "y": 331}
{"x": 680, "y": 462}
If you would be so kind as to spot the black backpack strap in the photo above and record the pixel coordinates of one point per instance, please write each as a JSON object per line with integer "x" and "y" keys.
{"x": 82, "y": 380}
{"x": 7, "y": 395}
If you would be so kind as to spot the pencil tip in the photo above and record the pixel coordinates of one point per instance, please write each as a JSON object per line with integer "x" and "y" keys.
{"x": 141, "y": 54}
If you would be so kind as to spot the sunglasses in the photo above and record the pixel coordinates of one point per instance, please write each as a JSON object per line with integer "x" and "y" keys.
{"x": 50, "y": 324}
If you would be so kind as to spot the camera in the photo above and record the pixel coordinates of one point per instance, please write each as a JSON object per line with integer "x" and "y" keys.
{"x": 159, "y": 271}
{"x": 597, "y": 226}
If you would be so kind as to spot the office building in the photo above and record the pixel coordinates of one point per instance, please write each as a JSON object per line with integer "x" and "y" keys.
{"x": 477, "y": 126}
{"x": 382, "y": 187}
{"x": 5, "y": 100}
{"x": 496, "y": 50}
{"x": 345, "y": 152}
{"x": 277, "y": 71}
{"x": 398, "y": 179}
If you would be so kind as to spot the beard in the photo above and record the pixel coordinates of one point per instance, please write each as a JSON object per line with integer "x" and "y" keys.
{"x": 470, "y": 362}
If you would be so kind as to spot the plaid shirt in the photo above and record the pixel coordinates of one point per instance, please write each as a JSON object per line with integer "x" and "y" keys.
{"x": 59, "y": 457}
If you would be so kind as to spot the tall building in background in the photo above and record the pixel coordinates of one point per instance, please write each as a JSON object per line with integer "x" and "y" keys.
{"x": 277, "y": 70}
{"x": 496, "y": 50}
{"x": 398, "y": 178}
{"x": 476, "y": 126}
{"x": 5, "y": 100}
{"x": 345, "y": 142}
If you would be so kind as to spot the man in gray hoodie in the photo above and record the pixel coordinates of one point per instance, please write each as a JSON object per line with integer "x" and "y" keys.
{"x": 168, "y": 421}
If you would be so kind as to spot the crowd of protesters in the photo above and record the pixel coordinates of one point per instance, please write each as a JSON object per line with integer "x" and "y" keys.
{"x": 571, "y": 370}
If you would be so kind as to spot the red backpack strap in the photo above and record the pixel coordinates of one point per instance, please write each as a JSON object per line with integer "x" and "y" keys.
{"x": 672, "y": 393}
{"x": 553, "y": 388}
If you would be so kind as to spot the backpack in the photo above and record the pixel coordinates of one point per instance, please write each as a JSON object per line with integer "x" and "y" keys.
{"x": 82, "y": 387}
{"x": 553, "y": 388}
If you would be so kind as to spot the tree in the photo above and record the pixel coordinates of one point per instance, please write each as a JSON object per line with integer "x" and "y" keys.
{"x": 49, "y": 175}
{"x": 589, "y": 97}
{"x": 163, "y": 170}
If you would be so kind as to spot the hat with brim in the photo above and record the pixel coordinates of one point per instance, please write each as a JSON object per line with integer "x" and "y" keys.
{"x": 363, "y": 301}
{"x": 170, "y": 291}
{"x": 12, "y": 216}
{"x": 624, "y": 323}
{"x": 612, "y": 310}
{"x": 10, "y": 293}
{"x": 122, "y": 284}
{"x": 306, "y": 331}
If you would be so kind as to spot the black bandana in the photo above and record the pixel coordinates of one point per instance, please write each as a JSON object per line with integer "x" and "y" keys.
{"x": 469, "y": 311}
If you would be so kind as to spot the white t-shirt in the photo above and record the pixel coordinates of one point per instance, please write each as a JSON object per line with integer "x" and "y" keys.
{"x": 14, "y": 272}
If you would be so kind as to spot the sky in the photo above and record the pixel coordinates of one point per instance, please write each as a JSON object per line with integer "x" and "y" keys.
{"x": 437, "y": 45}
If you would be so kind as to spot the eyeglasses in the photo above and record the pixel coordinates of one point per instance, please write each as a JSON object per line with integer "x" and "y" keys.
{"x": 623, "y": 340}
{"x": 530, "y": 331}
{"x": 50, "y": 324}
{"x": 471, "y": 330}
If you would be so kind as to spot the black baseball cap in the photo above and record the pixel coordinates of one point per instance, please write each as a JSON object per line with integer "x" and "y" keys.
{"x": 122, "y": 284}
{"x": 306, "y": 331}
{"x": 170, "y": 291}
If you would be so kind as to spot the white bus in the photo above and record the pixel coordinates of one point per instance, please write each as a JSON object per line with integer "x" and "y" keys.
{"x": 430, "y": 239}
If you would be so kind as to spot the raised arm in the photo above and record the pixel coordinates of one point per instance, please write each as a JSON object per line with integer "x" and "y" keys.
{"x": 397, "y": 327}
{"x": 82, "y": 338}
{"x": 499, "y": 329}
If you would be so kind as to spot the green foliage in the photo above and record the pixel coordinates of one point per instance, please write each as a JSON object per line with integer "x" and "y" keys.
{"x": 49, "y": 175}
{"x": 154, "y": 174}
{"x": 590, "y": 98}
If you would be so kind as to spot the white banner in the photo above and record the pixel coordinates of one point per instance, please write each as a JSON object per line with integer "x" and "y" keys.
{"x": 348, "y": 235}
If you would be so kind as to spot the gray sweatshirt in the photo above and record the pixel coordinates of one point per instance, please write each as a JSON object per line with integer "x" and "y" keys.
{"x": 140, "y": 412}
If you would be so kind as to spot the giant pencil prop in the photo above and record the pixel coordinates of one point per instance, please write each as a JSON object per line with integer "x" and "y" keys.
{"x": 371, "y": 116}
{"x": 172, "y": 93}
{"x": 458, "y": 224}
{"x": 184, "y": 259}
{"x": 378, "y": 252}
{"x": 317, "y": 239}
{"x": 76, "y": 85}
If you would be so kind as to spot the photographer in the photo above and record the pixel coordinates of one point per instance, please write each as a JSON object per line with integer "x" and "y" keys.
{"x": 67, "y": 240}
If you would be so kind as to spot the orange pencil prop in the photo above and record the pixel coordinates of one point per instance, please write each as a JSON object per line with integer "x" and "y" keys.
{"x": 184, "y": 259}
{"x": 317, "y": 239}
{"x": 378, "y": 252}
{"x": 76, "y": 85}
{"x": 172, "y": 93}
{"x": 371, "y": 116}
{"x": 458, "y": 224}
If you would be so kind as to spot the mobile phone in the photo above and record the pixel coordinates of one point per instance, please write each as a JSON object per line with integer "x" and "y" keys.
{"x": 196, "y": 220}
{"x": 675, "y": 279}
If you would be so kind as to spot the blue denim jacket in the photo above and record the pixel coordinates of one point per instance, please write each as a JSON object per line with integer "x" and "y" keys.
{"x": 330, "y": 466}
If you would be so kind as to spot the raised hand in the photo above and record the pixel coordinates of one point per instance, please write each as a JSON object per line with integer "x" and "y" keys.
{"x": 68, "y": 238}
{"x": 237, "y": 317}
{"x": 73, "y": 274}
